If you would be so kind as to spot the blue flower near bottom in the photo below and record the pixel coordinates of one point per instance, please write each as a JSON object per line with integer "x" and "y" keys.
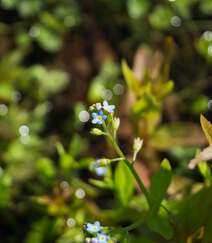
{"x": 103, "y": 238}
{"x": 93, "y": 228}
{"x": 98, "y": 117}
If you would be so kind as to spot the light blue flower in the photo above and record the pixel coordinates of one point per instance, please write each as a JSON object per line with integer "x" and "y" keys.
{"x": 98, "y": 117}
{"x": 98, "y": 168}
{"x": 103, "y": 238}
{"x": 98, "y": 106}
{"x": 93, "y": 228}
{"x": 107, "y": 107}
{"x": 101, "y": 171}
{"x": 94, "y": 240}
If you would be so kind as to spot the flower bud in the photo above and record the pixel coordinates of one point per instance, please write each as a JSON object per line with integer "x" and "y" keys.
{"x": 102, "y": 162}
{"x": 92, "y": 107}
{"x": 137, "y": 145}
{"x": 97, "y": 132}
{"x": 116, "y": 123}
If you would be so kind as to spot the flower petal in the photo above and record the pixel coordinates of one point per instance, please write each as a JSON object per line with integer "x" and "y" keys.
{"x": 95, "y": 121}
{"x": 94, "y": 114}
{"x": 99, "y": 122}
{"x": 100, "y": 113}
{"x": 98, "y": 106}
{"x": 105, "y": 103}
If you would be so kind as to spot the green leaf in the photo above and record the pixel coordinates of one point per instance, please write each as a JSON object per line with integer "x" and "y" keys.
{"x": 160, "y": 18}
{"x": 200, "y": 104}
{"x": 139, "y": 239}
{"x": 137, "y": 8}
{"x": 102, "y": 184}
{"x": 184, "y": 7}
{"x": 5, "y": 195}
{"x": 123, "y": 183}
{"x": 203, "y": 45}
{"x": 38, "y": 231}
{"x": 132, "y": 81}
{"x": 29, "y": 8}
{"x": 52, "y": 22}
{"x": 146, "y": 104}
{"x": 67, "y": 161}
{"x": 164, "y": 89}
{"x": 45, "y": 167}
{"x": 9, "y": 4}
{"x": 205, "y": 171}
{"x": 159, "y": 185}
{"x": 193, "y": 213}
{"x": 208, "y": 232}
{"x": 206, "y": 6}
{"x": 173, "y": 135}
{"x": 207, "y": 128}
{"x": 166, "y": 165}
{"x": 161, "y": 226}
{"x": 6, "y": 92}
{"x": 48, "y": 39}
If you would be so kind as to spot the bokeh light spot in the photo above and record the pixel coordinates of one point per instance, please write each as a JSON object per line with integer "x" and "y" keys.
{"x": 71, "y": 222}
{"x": 80, "y": 193}
{"x": 84, "y": 116}
{"x": 176, "y": 21}
{"x": 3, "y": 110}
{"x": 24, "y": 130}
{"x": 118, "y": 89}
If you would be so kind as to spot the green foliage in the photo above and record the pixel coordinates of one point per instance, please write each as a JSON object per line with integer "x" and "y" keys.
{"x": 207, "y": 128}
{"x": 124, "y": 183}
{"x": 102, "y": 87}
{"x": 161, "y": 225}
{"x": 44, "y": 21}
{"x": 137, "y": 8}
{"x": 188, "y": 217}
{"x": 130, "y": 78}
{"x": 161, "y": 17}
{"x": 59, "y": 56}
{"x": 205, "y": 171}
{"x": 159, "y": 185}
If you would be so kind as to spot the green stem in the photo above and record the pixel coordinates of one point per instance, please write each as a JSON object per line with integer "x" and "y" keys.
{"x": 139, "y": 181}
{"x": 116, "y": 159}
{"x": 136, "y": 176}
{"x": 129, "y": 165}
{"x": 134, "y": 225}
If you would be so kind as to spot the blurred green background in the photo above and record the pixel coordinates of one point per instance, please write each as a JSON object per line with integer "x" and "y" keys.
{"x": 57, "y": 58}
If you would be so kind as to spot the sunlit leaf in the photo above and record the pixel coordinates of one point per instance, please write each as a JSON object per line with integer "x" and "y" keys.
{"x": 137, "y": 8}
{"x": 207, "y": 128}
{"x": 124, "y": 183}
{"x": 193, "y": 212}
{"x": 160, "y": 182}
{"x": 205, "y": 171}
{"x": 130, "y": 78}
{"x": 161, "y": 225}
{"x": 160, "y": 17}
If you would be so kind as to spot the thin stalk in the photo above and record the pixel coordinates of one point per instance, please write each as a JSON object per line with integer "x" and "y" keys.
{"x": 129, "y": 165}
{"x": 134, "y": 225}
{"x": 116, "y": 159}
{"x": 136, "y": 176}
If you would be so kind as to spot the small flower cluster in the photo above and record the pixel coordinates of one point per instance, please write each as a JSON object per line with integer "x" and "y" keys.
{"x": 99, "y": 170}
{"x": 101, "y": 112}
{"x": 97, "y": 232}
{"x": 99, "y": 167}
{"x": 137, "y": 145}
